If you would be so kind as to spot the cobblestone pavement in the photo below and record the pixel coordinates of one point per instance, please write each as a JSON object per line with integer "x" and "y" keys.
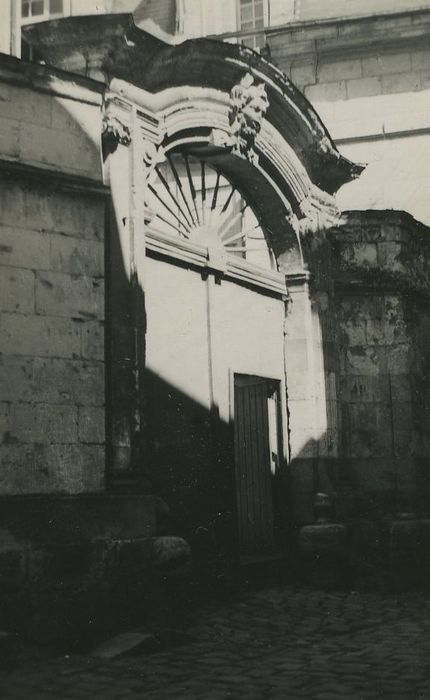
{"x": 280, "y": 643}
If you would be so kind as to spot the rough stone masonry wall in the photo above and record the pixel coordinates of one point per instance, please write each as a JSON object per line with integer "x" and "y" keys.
{"x": 383, "y": 336}
{"x": 51, "y": 301}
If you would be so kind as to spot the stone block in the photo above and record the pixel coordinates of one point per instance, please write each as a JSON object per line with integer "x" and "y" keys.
{"x": 385, "y": 64}
{"x": 303, "y": 74}
{"x": 325, "y": 92}
{"x": 171, "y": 556}
{"x": 319, "y": 540}
{"x": 402, "y": 415}
{"x": 59, "y": 294}
{"x": 42, "y": 423}
{"x": 51, "y": 468}
{"x": 332, "y": 70}
{"x": 24, "y": 105}
{"x": 303, "y": 444}
{"x": 373, "y": 476}
{"x": 401, "y": 387}
{"x": 42, "y": 208}
{"x": 16, "y": 290}
{"x": 391, "y": 331}
{"x": 53, "y": 381}
{"x": 425, "y": 80}
{"x": 420, "y": 60}
{"x": 43, "y": 145}
{"x": 93, "y": 340}
{"x": 363, "y": 87}
{"x": 400, "y": 83}
{"x": 352, "y": 332}
{"x": 313, "y": 32}
{"x": 298, "y": 386}
{"x": 327, "y": 445}
{"x": 369, "y": 444}
{"x": 24, "y": 248}
{"x": 296, "y": 354}
{"x": 301, "y": 417}
{"x": 39, "y": 336}
{"x": 369, "y": 416}
{"x": 359, "y": 255}
{"x": 4, "y": 420}
{"x": 77, "y": 118}
{"x": 370, "y": 360}
{"x": 76, "y": 256}
{"x": 360, "y": 306}
{"x": 362, "y": 388}
{"x": 298, "y": 310}
{"x": 403, "y": 442}
{"x": 390, "y": 256}
{"x": 9, "y": 138}
{"x": 399, "y": 360}
{"x": 92, "y": 424}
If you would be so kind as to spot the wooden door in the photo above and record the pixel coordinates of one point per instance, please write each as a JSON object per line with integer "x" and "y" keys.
{"x": 257, "y": 450}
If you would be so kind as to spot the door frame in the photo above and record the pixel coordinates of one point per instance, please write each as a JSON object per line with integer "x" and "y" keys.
{"x": 252, "y": 372}
{"x": 283, "y": 426}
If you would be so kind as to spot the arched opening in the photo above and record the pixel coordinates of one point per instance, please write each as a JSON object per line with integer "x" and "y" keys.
{"x": 191, "y": 200}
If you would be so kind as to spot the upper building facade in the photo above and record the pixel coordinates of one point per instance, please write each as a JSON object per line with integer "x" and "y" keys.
{"x": 194, "y": 18}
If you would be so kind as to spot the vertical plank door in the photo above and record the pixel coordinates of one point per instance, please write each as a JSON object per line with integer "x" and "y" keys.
{"x": 254, "y": 455}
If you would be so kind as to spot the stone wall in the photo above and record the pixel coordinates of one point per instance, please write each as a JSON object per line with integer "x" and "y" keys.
{"x": 357, "y": 348}
{"x": 381, "y": 300}
{"x": 314, "y": 9}
{"x": 368, "y": 79}
{"x": 51, "y": 289}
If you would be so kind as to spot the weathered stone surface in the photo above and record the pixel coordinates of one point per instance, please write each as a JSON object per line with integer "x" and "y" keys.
{"x": 39, "y": 208}
{"x": 39, "y": 336}
{"x": 38, "y": 423}
{"x": 329, "y": 538}
{"x": 55, "y": 381}
{"x": 76, "y": 256}
{"x": 24, "y": 248}
{"x": 365, "y": 388}
{"x": 376, "y": 475}
{"x": 49, "y": 147}
{"x": 93, "y": 340}
{"x": 60, "y": 294}
{"x": 172, "y": 556}
{"x": 51, "y": 468}
{"x": 92, "y": 424}
{"x": 15, "y": 104}
{"x": 16, "y": 290}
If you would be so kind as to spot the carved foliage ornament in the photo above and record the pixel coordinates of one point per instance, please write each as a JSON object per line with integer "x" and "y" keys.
{"x": 248, "y": 105}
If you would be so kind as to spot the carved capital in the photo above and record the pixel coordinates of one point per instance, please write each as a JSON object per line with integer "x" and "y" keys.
{"x": 114, "y": 131}
{"x": 319, "y": 213}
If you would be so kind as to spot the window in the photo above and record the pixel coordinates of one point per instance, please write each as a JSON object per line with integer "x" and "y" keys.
{"x": 37, "y": 10}
{"x": 32, "y": 11}
{"x": 252, "y": 17}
